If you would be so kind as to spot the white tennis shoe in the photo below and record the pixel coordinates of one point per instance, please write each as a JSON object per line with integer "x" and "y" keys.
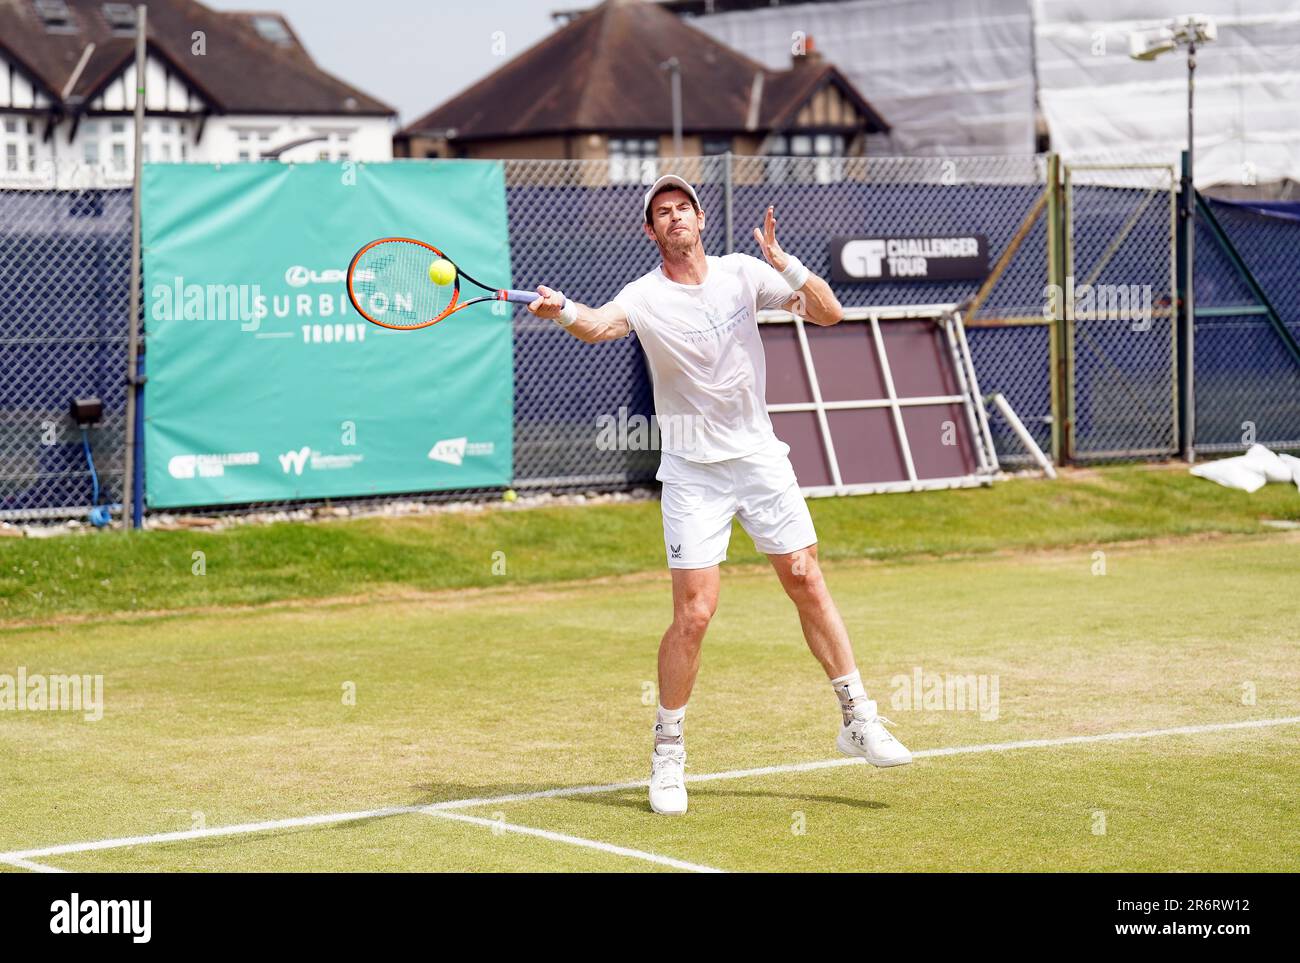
{"x": 668, "y": 780}
{"x": 866, "y": 736}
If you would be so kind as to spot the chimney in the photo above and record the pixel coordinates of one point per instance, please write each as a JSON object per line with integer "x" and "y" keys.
{"x": 804, "y": 51}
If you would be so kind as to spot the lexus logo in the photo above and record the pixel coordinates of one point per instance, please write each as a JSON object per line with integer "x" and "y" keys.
{"x": 299, "y": 276}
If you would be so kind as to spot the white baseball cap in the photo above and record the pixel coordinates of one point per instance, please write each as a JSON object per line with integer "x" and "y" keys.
{"x": 668, "y": 180}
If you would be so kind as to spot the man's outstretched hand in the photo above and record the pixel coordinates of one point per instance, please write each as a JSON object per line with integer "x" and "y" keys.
{"x": 766, "y": 239}
{"x": 548, "y": 304}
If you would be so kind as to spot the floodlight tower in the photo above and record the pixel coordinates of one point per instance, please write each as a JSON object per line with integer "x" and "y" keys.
{"x": 674, "y": 68}
{"x": 1185, "y": 31}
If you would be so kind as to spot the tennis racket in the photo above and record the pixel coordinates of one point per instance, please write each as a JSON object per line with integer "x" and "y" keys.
{"x": 390, "y": 284}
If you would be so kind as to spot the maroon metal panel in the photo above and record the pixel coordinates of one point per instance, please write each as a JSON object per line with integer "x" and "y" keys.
{"x": 787, "y": 379}
{"x": 799, "y": 430}
{"x": 844, "y": 356}
{"x": 867, "y": 446}
{"x": 866, "y": 440}
{"x": 919, "y": 358}
{"x": 928, "y": 428}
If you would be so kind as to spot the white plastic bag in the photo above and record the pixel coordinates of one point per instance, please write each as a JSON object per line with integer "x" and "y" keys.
{"x": 1268, "y": 464}
{"x": 1236, "y": 472}
{"x": 1294, "y": 464}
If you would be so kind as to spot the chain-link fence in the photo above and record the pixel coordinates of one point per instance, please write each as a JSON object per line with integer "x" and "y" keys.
{"x": 991, "y": 196}
{"x": 571, "y": 228}
{"x": 65, "y": 259}
{"x": 1247, "y": 386}
{"x": 568, "y": 225}
{"x": 1120, "y": 311}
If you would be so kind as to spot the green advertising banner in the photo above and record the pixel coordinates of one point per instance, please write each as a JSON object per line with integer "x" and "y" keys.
{"x": 263, "y": 381}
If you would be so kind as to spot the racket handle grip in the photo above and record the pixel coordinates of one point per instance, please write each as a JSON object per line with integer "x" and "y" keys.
{"x": 518, "y": 297}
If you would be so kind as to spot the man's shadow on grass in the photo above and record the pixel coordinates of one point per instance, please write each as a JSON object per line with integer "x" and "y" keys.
{"x": 636, "y": 799}
{"x": 623, "y": 798}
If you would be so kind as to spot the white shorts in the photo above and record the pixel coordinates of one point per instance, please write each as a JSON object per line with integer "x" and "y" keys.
{"x": 700, "y": 500}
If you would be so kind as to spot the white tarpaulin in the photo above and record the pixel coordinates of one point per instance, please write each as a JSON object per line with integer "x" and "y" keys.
{"x": 949, "y": 76}
{"x": 1251, "y": 471}
{"x": 1101, "y": 105}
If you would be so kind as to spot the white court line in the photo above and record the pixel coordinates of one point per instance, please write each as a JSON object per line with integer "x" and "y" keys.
{"x": 189, "y": 834}
{"x": 34, "y": 867}
{"x": 500, "y": 826}
{"x": 566, "y": 791}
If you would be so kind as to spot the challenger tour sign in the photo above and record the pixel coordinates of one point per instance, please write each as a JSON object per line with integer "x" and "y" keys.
{"x": 935, "y": 258}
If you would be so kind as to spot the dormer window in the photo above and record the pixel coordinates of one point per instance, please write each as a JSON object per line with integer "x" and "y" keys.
{"x": 272, "y": 30}
{"x": 120, "y": 16}
{"x": 54, "y": 14}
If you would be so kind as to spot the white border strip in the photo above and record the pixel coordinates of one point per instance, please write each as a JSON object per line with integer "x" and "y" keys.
{"x": 919, "y": 400}
{"x": 818, "y": 404}
{"x": 864, "y": 312}
{"x": 566, "y": 791}
{"x": 499, "y": 826}
{"x": 887, "y": 374}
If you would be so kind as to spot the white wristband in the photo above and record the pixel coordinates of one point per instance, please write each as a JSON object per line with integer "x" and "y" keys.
{"x": 568, "y": 314}
{"x": 795, "y": 274}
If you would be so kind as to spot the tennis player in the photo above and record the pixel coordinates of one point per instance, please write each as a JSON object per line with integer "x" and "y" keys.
{"x": 695, "y": 316}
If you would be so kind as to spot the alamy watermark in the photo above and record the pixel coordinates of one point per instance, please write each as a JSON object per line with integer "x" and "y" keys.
{"x": 624, "y": 432}
{"x": 330, "y": 312}
{"x": 54, "y": 693}
{"x": 179, "y": 301}
{"x": 129, "y": 917}
{"x": 931, "y": 691}
{"x": 1110, "y": 302}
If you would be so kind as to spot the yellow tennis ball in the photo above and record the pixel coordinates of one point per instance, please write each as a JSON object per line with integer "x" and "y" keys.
{"x": 442, "y": 271}
{"x": 509, "y": 495}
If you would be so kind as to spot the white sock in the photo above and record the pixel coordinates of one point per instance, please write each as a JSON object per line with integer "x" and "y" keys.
{"x": 851, "y": 693}
{"x": 668, "y": 727}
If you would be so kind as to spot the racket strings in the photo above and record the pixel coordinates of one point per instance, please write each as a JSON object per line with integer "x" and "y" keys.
{"x": 392, "y": 286}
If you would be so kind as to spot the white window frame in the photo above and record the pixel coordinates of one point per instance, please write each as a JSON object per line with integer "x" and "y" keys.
{"x": 337, "y": 145}
{"x": 633, "y": 160}
{"x": 827, "y": 150}
{"x": 21, "y": 142}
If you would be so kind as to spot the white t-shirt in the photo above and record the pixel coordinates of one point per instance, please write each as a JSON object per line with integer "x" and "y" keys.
{"x": 706, "y": 358}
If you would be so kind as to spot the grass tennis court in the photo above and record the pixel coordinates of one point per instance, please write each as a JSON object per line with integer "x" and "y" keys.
{"x": 222, "y": 717}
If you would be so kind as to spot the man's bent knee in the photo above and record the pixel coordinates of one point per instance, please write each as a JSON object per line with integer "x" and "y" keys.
{"x": 803, "y": 568}
{"x": 692, "y": 618}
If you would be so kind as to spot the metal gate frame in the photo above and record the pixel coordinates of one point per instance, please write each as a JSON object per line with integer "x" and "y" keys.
{"x": 1067, "y": 330}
